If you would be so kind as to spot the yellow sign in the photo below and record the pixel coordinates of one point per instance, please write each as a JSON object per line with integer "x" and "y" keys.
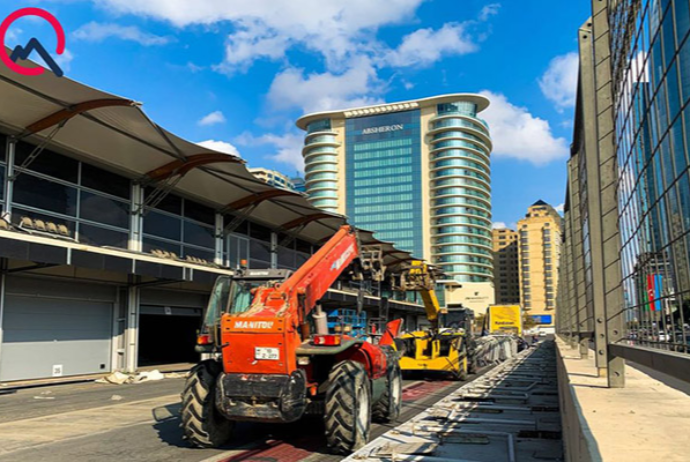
{"x": 505, "y": 319}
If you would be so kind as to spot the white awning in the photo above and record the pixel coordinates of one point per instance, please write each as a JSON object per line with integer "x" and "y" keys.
{"x": 114, "y": 132}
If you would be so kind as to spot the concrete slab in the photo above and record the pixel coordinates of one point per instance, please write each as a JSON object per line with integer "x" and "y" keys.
{"x": 22, "y": 434}
{"x": 647, "y": 420}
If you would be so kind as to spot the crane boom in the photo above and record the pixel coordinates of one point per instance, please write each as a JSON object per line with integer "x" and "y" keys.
{"x": 419, "y": 278}
{"x": 311, "y": 281}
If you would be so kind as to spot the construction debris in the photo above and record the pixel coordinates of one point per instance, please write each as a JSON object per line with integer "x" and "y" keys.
{"x": 120, "y": 378}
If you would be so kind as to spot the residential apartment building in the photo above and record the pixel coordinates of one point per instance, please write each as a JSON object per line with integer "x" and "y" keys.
{"x": 506, "y": 266}
{"x": 539, "y": 251}
{"x": 415, "y": 172}
{"x": 273, "y": 178}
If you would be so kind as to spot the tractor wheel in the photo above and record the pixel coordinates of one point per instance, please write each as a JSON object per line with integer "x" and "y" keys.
{"x": 387, "y": 409}
{"x": 203, "y": 425}
{"x": 348, "y": 408}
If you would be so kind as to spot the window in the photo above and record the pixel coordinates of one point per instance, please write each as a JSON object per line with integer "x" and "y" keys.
{"x": 93, "y": 203}
{"x": 182, "y": 226}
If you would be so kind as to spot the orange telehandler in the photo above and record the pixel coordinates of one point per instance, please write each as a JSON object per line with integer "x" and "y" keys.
{"x": 272, "y": 358}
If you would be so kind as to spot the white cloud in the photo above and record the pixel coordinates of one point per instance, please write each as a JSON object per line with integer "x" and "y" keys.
{"x": 339, "y": 31}
{"x": 498, "y": 225}
{"x": 264, "y": 28}
{"x": 250, "y": 44}
{"x": 220, "y": 146}
{"x": 517, "y": 134}
{"x": 488, "y": 11}
{"x": 98, "y": 32}
{"x": 424, "y": 47}
{"x": 357, "y": 86}
{"x": 65, "y": 60}
{"x": 12, "y": 36}
{"x": 215, "y": 117}
{"x": 288, "y": 146}
{"x": 560, "y": 208}
{"x": 559, "y": 82}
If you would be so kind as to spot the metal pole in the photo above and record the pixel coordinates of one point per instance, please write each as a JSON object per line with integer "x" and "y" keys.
{"x": 604, "y": 215}
{"x": 9, "y": 178}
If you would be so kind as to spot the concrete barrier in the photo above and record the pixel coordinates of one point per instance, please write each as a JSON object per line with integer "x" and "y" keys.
{"x": 579, "y": 443}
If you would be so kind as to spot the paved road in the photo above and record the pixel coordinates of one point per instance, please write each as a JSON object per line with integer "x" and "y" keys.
{"x": 85, "y": 423}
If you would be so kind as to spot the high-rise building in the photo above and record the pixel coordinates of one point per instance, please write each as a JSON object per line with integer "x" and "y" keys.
{"x": 416, "y": 172}
{"x": 299, "y": 184}
{"x": 539, "y": 251}
{"x": 506, "y": 269}
{"x": 273, "y": 178}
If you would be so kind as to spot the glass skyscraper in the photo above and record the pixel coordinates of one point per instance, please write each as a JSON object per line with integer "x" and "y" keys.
{"x": 416, "y": 172}
{"x": 383, "y": 172}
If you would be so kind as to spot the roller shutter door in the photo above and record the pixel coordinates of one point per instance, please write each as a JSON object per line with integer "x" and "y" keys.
{"x": 47, "y": 337}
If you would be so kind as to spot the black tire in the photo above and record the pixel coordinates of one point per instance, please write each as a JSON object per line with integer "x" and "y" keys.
{"x": 348, "y": 408}
{"x": 202, "y": 423}
{"x": 387, "y": 409}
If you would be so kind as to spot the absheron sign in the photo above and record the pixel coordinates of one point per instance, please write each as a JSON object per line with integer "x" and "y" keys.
{"x": 386, "y": 128}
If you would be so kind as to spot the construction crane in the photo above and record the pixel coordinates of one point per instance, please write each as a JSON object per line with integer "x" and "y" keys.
{"x": 272, "y": 358}
{"x": 436, "y": 349}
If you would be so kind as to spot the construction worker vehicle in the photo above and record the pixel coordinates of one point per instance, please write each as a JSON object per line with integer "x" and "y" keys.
{"x": 271, "y": 357}
{"x": 438, "y": 348}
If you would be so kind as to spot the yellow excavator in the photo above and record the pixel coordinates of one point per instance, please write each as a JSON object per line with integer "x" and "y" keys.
{"x": 437, "y": 349}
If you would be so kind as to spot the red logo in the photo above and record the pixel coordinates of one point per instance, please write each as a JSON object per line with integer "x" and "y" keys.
{"x": 23, "y": 52}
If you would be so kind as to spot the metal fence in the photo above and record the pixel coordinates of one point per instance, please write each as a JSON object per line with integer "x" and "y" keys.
{"x": 624, "y": 285}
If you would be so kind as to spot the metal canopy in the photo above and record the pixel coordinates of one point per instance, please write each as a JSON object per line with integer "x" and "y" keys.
{"x": 114, "y": 132}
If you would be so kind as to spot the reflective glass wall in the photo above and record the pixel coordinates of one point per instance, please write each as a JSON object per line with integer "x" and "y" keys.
{"x": 383, "y": 177}
{"x": 651, "y": 71}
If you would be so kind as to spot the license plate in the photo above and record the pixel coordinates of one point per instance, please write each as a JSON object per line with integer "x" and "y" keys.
{"x": 266, "y": 353}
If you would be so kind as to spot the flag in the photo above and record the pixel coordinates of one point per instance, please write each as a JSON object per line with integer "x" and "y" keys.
{"x": 657, "y": 291}
{"x": 650, "y": 292}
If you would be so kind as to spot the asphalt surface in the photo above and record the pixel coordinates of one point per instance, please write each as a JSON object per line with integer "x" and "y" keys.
{"x": 159, "y": 437}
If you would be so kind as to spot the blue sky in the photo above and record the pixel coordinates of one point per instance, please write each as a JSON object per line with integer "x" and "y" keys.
{"x": 238, "y": 73}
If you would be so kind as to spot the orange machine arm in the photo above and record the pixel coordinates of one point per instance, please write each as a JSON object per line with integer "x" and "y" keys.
{"x": 311, "y": 281}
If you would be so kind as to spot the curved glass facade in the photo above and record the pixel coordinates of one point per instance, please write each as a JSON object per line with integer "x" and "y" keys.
{"x": 321, "y": 165}
{"x": 460, "y": 172}
{"x": 418, "y": 173}
{"x": 651, "y": 64}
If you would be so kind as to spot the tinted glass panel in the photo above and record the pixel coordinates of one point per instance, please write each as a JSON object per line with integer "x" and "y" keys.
{"x": 3, "y": 148}
{"x": 162, "y": 225}
{"x": 102, "y": 180}
{"x": 171, "y": 203}
{"x": 260, "y": 232}
{"x": 198, "y": 235}
{"x": 44, "y": 194}
{"x": 93, "y": 235}
{"x": 48, "y": 162}
{"x": 259, "y": 251}
{"x": 104, "y": 210}
{"x": 199, "y": 212}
